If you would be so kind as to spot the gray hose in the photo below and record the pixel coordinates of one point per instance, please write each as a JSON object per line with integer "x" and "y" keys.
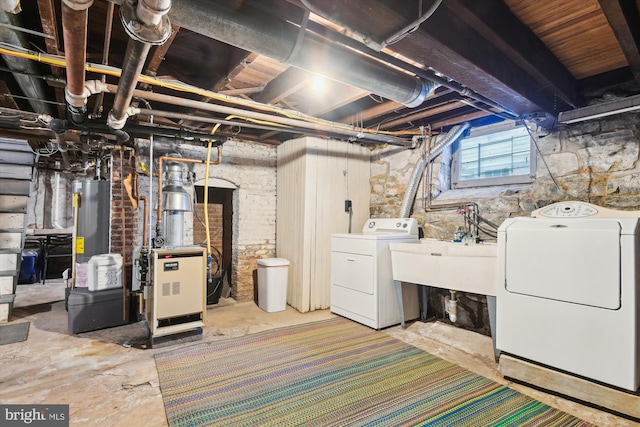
{"x": 410, "y": 194}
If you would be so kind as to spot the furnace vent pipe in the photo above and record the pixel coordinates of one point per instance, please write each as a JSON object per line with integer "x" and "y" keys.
{"x": 252, "y": 30}
{"x": 452, "y": 136}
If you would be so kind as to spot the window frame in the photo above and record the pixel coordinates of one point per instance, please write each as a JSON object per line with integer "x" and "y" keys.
{"x": 527, "y": 178}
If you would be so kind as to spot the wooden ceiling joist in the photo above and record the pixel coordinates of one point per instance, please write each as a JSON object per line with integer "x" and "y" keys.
{"x": 498, "y": 25}
{"x": 624, "y": 18}
{"x": 288, "y": 82}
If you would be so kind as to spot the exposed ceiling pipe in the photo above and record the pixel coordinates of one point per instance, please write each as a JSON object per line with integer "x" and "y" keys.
{"x": 147, "y": 24}
{"x": 423, "y": 73}
{"x": 243, "y": 124}
{"x": 410, "y": 194}
{"x": 251, "y": 29}
{"x": 326, "y": 126}
{"x": 75, "y": 18}
{"x": 23, "y": 69}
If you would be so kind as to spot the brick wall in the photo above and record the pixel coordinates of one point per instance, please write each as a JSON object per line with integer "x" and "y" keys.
{"x": 121, "y": 208}
{"x": 249, "y": 168}
{"x": 215, "y": 226}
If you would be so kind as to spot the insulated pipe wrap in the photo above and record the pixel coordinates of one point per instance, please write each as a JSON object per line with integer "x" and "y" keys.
{"x": 23, "y": 69}
{"x": 452, "y": 136}
{"x": 250, "y": 29}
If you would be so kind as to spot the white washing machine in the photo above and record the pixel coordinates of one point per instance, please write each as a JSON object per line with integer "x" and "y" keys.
{"x": 569, "y": 293}
{"x": 361, "y": 281}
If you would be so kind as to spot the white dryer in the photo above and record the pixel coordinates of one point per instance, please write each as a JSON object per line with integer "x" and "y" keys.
{"x": 362, "y": 286}
{"x": 569, "y": 291}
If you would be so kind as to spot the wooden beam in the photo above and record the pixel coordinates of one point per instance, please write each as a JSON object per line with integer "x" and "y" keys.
{"x": 6, "y": 100}
{"x": 458, "y": 119}
{"x": 451, "y": 46}
{"x": 289, "y": 81}
{"x": 49, "y": 26}
{"x": 624, "y": 18}
{"x": 328, "y": 102}
{"x": 373, "y": 112}
{"x": 157, "y": 54}
{"x": 582, "y": 389}
{"x": 422, "y": 115}
{"x": 243, "y": 91}
{"x": 241, "y": 59}
{"x": 497, "y": 24}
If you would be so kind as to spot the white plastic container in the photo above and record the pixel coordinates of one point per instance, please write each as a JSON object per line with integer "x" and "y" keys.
{"x": 104, "y": 272}
{"x": 273, "y": 275}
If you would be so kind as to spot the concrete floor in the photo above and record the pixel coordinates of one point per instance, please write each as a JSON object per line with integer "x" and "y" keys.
{"x": 109, "y": 379}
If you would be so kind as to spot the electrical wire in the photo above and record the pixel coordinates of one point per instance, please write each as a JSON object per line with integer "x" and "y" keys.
{"x": 206, "y": 190}
{"x": 535, "y": 143}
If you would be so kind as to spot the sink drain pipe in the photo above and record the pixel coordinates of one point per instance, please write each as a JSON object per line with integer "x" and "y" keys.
{"x": 410, "y": 194}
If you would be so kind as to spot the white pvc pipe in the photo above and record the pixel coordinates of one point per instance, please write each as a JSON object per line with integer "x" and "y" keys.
{"x": 452, "y": 307}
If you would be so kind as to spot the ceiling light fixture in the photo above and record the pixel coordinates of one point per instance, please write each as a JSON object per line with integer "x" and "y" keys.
{"x": 318, "y": 83}
{"x": 597, "y": 111}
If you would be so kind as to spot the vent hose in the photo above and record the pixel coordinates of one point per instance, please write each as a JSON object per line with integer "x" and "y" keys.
{"x": 452, "y": 136}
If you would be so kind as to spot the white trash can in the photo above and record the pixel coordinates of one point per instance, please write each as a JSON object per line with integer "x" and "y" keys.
{"x": 273, "y": 275}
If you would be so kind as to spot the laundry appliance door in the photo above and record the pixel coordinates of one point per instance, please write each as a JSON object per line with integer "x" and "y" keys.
{"x": 574, "y": 261}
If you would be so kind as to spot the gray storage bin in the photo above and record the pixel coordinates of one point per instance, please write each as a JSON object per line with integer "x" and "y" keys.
{"x": 88, "y": 311}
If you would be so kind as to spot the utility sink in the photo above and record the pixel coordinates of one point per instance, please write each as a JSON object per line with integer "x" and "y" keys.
{"x": 457, "y": 266}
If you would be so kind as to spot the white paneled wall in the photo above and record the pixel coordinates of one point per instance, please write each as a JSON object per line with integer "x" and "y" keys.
{"x": 315, "y": 177}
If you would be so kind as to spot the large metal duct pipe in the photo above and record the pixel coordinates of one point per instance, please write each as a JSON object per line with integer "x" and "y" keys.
{"x": 410, "y": 194}
{"x": 75, "y": 18}
{"x": 23, "y": 69}
{"x": 147, "y": 24}
{"x": 251, "y": 29}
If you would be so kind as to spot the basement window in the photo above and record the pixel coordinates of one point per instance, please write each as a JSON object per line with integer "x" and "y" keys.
{"x": 494, "y": 155}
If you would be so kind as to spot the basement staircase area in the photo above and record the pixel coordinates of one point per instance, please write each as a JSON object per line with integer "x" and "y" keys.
{"x": 17, "y": 162}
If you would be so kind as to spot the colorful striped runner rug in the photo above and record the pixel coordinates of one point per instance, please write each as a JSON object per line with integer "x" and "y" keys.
{"x": 334, "y": 373}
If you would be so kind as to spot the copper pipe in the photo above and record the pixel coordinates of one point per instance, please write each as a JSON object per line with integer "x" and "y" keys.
{"x": 145, "y": 201}
{"x": 75, "y": 19}
{"x": 181, "y": 160}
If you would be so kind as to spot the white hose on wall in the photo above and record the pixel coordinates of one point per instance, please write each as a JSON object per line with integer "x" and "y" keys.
{"x": 452, "y": 136}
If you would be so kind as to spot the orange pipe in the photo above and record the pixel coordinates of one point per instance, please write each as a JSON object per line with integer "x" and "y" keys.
{"x": 145, "y": 200}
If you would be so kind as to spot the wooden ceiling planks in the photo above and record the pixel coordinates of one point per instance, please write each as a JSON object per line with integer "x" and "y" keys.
{"x": 576, "y": 31}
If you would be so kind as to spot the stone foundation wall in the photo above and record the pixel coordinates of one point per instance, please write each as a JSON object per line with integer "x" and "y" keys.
{"x": 595, "y": 162}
